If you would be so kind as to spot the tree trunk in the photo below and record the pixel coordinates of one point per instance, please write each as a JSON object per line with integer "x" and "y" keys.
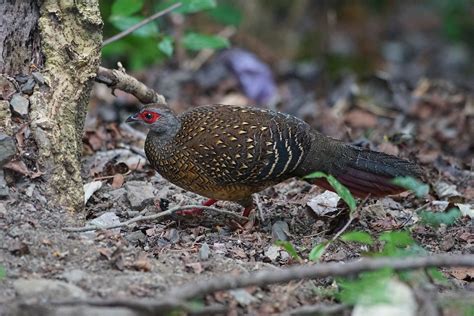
{"x": 59, "y": 42}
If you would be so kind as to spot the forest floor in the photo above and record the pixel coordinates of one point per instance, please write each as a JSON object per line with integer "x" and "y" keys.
{"x": 430, "y": 122}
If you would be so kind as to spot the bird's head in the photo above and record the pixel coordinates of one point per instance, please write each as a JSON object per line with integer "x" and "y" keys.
{"x": 157, "y": 118}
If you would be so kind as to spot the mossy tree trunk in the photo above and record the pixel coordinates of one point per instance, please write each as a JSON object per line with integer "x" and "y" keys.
{"x": 61, "y": 39}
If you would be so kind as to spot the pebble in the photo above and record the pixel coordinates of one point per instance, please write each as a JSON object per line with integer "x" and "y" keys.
{"x": 204, "y": 252}
{"x": 38, "y": 78}
{"x": 280, "y": 230}
{"x": 28, "y": 87}
{"x": 139, "y": 193}
{"x": 136, "y": 237}
{"x": 19, "y": 105}
{"x": 4, "y": 190}
{"x": 47, "y": 289}
{"x": 7, "y": 148}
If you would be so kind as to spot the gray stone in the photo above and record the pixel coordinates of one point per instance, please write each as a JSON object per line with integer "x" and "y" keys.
{"x": 243, "y": 297}
{"x": 136, "y": 237}
{"x": 74, "y": 275}
{"x": 19, "y": 105}
{"x": 280, "y": 230}
{"x": 38, "y": 78}
{"x": 139, "y": 193}
{"x": 28, "y": 87}
{"x": 48, "y": 289}
{"x": 4, "y": 190}
{"x": 7, "y": 148}
{"x": 204, "y": 251}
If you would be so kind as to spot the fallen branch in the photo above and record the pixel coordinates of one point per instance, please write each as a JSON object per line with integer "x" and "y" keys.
{"x": 320, "y": 270}
{"x": 140, "y": 218}
{"x": 117, "y": 79}
{"x": 140, "y": 24}
{"x": 147, "y": 306}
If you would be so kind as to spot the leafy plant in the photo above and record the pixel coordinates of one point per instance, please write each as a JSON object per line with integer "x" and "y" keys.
{"x": 358, "y": 236}
{"x": 340, "y": 189}
{"x": 288, "y": 248}
{"x": 151, "y": 43}
{"x": 419, "y": 188}
{"x": 437, "y": 218}
{"x": 3, "y": 272}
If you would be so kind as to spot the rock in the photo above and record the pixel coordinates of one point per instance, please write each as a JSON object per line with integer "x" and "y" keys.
{"x": 38, "y": 78}
{"x": 280, "y": 230}
{"x": 28, "y": 87}
{"x": 4, "y": 190}
{"x": 243, "y": 297}
{"x": 47, "y": 289}
{"x": 106, "y": 219}
{"x": 136, "y": 237}
{"x": 139, "y": 193}
{"x": 273, "y": 252}
{"x": 7, "y": 148}
{"x": 19, "y": 105}
{"x": 204, "y": 251}
{"x": 74, "y": 275}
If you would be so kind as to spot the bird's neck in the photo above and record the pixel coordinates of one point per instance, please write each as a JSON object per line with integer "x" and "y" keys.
{"x": 161, "y": 137}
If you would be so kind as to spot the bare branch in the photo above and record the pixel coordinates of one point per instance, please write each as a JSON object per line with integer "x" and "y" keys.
{"x": 117, "y": 79}
{"x": 140, "y": 24}
{"x": 319, "y": 270}
{"x": 140, "y": 218}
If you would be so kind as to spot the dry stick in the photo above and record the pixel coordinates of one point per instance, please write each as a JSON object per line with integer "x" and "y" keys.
{"x": 320, "y": 270}
{"x": 117, "y": 79}
{"x": 140, "y": 24}
{"x": 140, "y": 218}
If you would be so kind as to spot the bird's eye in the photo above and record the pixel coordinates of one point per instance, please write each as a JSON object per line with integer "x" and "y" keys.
{"x": 148, "y": 116}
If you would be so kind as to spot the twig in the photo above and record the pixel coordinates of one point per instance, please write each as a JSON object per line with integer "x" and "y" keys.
{"x": 352, "y": 216}
{"x": 140, "y": 24}
{"x": 140, "y": 218}
{"x": 320, "y": 270}
{"x": 117, "y": 79}
{"x": 146, "y": 307}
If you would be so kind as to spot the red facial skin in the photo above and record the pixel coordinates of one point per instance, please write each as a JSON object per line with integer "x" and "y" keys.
{"x": 149, "y": 117}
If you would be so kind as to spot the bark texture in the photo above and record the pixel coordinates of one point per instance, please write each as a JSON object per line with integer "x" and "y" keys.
{"x": 19, "y": 41}
{"x": 71, "y": 38}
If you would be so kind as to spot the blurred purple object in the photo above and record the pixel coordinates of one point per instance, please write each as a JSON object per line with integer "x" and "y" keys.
{"x": 254, "y": 76}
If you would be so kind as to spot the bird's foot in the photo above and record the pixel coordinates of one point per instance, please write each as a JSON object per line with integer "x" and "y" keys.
{"x": 196, "y": 211}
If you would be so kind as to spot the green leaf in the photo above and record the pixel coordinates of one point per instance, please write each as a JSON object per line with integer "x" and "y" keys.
{"x": 188, "y": 6}
{"x": 400, "y": 238}
{"x": 125, "y": 22}
{"x": 288, "y": 248}
{"x": 126, "y": 7}
{"x": 419, "y": 188}
{"x": 316, "y": 253}
{"x": 358, "y": 236}
{"x": 226, "y": 14}
{"x": 395, "y": 242}
{"x": 195, "y": 41}
{"x": 166, "y": 45}
{"x": 340, "y": 189}
{"x": 3, "y": 272}
{"x": 368, "y": 288}
{"x": 437, "y": 275}
{"x": 437, "y": 218}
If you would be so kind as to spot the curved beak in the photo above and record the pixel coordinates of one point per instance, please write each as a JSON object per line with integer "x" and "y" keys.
{"x": 132, "y": 118}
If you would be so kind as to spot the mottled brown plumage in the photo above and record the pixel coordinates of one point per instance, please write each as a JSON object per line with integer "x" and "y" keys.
{"x": 229, "y": 152}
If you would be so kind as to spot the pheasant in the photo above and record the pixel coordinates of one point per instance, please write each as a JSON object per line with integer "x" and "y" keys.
{"x": 226, "y": 152}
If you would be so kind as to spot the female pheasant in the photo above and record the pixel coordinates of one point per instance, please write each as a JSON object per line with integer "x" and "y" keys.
{"x": 228, "y": 153}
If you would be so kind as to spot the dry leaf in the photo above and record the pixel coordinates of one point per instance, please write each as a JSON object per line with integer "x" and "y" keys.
{"x": 90, "y": 188}
{"x": 117, "y": 181}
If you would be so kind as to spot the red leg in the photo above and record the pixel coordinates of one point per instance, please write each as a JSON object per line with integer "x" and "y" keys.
{"x": 246, "y": 211}
{"x": 197, "y": 211}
